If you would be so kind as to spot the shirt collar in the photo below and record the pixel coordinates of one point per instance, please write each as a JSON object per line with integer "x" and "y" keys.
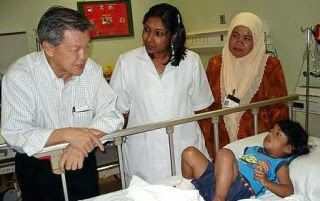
{"x": 47, "y": 70}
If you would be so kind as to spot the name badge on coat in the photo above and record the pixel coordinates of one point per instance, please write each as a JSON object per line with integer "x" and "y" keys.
{"x": 231, "y": 101}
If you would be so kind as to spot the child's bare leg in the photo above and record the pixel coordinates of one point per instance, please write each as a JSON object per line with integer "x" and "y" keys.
{"x": 193, "y": 163}
{"x": 226, "y": 170}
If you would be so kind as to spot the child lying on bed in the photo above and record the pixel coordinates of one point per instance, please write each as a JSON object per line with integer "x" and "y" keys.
{"x": 259, "y": 169}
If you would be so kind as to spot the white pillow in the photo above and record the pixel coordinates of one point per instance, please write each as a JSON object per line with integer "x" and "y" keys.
{"x": 238, "y": 146}
{"x": 304, "y": 170}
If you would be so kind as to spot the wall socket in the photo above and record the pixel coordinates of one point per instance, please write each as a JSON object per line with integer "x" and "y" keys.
{"x": 222, "y": 19}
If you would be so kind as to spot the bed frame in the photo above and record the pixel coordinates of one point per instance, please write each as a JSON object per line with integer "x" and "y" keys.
{"x": 56, "y": 151}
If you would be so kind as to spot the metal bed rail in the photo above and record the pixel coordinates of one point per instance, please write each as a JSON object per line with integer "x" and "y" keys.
{"x": 169, "y": 125}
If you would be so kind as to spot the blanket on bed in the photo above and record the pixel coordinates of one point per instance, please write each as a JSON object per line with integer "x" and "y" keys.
{"x": 140, "y": 190}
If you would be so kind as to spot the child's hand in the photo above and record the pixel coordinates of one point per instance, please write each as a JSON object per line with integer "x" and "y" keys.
{"x": 260, "y": 175}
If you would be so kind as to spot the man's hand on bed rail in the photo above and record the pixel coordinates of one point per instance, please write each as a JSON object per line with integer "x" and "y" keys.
{"x": 71, "y": 159}
{"x": 97, "y": 132}
{"x": 82, "y": 142}
{"x": 83, "y": 139}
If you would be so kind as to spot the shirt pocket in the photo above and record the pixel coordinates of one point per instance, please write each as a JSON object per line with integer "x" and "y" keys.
{"x": 82, "y": 119}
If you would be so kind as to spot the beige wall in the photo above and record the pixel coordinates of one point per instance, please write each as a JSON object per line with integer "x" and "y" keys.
{"x": 24, "y": 15}
{"x": 284, "y": 16}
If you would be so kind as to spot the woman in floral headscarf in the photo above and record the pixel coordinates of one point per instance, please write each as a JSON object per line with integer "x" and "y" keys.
{"x": 244, "y": 71}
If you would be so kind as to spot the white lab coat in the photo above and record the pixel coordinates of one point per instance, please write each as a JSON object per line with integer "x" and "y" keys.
{"x": 149, "y": 98}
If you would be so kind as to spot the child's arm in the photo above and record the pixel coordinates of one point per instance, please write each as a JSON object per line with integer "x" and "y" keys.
{"x": 284, "y": 188}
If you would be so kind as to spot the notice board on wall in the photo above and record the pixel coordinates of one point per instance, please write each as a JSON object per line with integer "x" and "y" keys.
{"x": 110, "y": 18}
{"x": 12, "y": 46}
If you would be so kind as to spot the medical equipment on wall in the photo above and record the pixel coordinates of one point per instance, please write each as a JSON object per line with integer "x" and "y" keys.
{"x": 312, "y": 57}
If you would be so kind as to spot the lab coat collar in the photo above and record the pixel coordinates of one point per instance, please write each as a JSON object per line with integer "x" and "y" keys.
{"x": 143, "y": 55}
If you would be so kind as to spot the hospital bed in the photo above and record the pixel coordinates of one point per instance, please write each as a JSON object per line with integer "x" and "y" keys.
{"x": 169, "y": 125}
{"x": 304, "y": 173}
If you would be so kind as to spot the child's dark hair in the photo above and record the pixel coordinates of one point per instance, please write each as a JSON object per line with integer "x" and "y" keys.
{"x": 297, "y": 136}
{"x": 172, "y": 20}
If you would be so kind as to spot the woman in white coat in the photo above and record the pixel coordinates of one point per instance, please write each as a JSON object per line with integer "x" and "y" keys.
{"x": 159, "y": 81}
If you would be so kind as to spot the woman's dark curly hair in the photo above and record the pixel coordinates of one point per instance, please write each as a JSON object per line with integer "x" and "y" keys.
{"x": 297, "y": 136}
{"x": 172, "y": 20}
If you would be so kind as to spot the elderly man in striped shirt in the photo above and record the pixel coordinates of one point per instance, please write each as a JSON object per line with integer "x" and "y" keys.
{"x": 58, "y": 95}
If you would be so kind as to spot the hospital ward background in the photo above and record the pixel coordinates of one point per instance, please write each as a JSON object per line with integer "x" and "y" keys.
{"x": 292, "y": 34}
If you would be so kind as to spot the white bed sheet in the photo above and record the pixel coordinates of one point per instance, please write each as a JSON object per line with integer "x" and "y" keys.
{"x": 304, "y": 172}
{"x": 121, "y": 195}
